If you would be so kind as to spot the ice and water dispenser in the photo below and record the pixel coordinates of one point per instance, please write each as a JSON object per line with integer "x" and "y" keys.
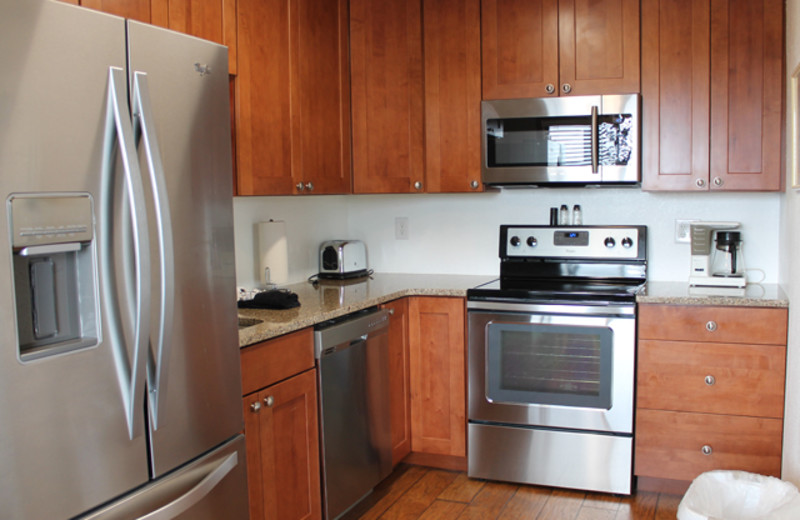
{"x": 52, "y": 239}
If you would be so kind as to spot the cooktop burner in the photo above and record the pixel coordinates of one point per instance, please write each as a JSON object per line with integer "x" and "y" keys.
{"x": 587, "y": 263}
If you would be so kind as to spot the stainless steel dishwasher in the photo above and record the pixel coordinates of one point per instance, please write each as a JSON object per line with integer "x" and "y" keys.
{"x": 353, "y": 368}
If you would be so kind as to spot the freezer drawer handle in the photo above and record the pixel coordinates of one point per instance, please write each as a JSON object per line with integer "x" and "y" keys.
{"x": 196, "y": 494}
{"x": 144, "y": 126}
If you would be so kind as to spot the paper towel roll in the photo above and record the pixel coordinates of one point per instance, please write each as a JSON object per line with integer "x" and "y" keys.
{"x": 273, "y": 253}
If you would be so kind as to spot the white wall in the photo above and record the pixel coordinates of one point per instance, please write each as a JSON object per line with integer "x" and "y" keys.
{"x": 790, "y": 271}
{"x": 459, "y": 233}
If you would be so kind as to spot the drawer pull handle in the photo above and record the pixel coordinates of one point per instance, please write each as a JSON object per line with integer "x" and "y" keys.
{"x": 255, "y": 407}
{"x": 710, "y": 380}
{"x": 269, "y": 400}
{"x": 706, "y": 450}
{"x": 711, "y": 326}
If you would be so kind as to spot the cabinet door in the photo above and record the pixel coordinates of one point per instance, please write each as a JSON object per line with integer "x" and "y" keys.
{"x": 712, "y": 93}
{"x": 438, "y": 394}
{"x": 320, "y": 95}
{"x": 520, "y": 48}
{"x": 676, "y": 79}
{"x": 387, "y": 96}
{"x": 746, "y": 94}
{"x": 138, "y": 10}
{"x": 598, "y": 46}
{"x": 263, "y": 117}
{"x": 452, "y": 95}
{"x": 282, "y": 437}
{"x": 292, "y": 97}
{"x": 399, "y": 396}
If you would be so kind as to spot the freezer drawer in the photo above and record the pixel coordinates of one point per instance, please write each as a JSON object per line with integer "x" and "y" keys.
{"x": 209, "y": 488}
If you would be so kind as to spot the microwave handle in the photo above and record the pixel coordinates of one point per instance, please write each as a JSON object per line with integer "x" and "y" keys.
{"x": 595, "y": 146}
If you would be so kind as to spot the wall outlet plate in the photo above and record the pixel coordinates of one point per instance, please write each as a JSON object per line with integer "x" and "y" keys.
{"x": 683, "y": 230}
{"x": 401, "y": 228}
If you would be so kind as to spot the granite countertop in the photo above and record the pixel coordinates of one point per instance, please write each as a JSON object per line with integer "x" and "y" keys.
{"x": 680, "y": 293}
{"x": 331, "y": 299}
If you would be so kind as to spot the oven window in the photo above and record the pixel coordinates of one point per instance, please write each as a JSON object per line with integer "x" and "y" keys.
{"x": 549, "y": 364}
{"x": 558, "y": 141}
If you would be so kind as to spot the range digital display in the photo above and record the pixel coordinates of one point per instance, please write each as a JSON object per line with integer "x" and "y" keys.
{"x": 571, "y": 238}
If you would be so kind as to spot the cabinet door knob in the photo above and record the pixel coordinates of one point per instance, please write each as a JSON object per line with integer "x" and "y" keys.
{"x": 417, "y": 185}
{"x": 710, "y": 380}
{"x": 711, "y": 326}
{"x": 269, "y": 400}
{"x": 309, "y": 186}
{"x": 718, "y": 181}
{"x": 706, "y": 450}
{"x": 299, "y": 186}
{"x": 566, "y": 88}
{"x": 701, "y": 183}
{"x": 255, "y": 407}
{"x": 474, "y": 185}
{"x": 550, "y": 88}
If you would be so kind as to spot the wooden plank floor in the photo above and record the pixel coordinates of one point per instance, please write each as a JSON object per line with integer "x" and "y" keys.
{"x": 417, "y": 492}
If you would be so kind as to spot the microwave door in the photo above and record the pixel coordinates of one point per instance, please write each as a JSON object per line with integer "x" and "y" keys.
{"x": 556, "y": 141}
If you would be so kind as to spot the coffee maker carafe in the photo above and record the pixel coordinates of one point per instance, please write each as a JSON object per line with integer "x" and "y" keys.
{"x": 717, "y": 259}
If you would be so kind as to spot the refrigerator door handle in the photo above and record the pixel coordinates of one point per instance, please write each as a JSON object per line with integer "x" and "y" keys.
{"x": 144, "y": 127}
{"x": 130, "y": 371}
{"x": 197, "y": 493}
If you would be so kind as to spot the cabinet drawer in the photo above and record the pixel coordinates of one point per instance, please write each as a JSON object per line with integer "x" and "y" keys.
{"x": 711, "y": 377}
{"x": 670, "y": 444}
{"x": 766, "y": 326}
{"x": 276, "y": 359}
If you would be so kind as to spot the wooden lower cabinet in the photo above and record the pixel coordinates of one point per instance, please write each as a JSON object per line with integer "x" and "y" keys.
{"x": 438, "y": 377}
{"x": 399, "y": 394}
{"x": 681, "y": 445}
{"x": 710, "y": 392}
{"x": 281, "y": 430}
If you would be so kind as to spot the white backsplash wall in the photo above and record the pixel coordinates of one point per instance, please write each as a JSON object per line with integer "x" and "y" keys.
{"x": 309, "y": 221}
{"x": 458, "y": 233}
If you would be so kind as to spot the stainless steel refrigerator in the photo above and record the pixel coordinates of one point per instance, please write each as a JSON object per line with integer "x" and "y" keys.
{"x": 120, "y": 391}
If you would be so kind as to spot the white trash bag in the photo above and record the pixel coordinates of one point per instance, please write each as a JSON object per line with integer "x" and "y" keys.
{"x": 739, "y": 495}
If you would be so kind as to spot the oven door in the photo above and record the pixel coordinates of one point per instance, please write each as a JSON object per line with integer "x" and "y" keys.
{"x": 553, "y": 366}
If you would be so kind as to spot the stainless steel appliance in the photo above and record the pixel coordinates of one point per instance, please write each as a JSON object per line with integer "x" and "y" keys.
{"x": 342, "y": 259}
{"x": 551, "y": 350}
{"x": 574, "y": 140}
{"x": 119, "y": 365}
{"x": 353, "y": 369}
{"x": 717, "y": 259}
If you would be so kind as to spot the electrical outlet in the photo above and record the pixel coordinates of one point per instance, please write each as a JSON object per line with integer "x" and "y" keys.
{"x": 683, "y": 230}
{"x": 401, "y": 228}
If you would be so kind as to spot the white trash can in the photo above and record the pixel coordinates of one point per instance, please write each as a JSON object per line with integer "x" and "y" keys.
{"x": 739, "y": 495}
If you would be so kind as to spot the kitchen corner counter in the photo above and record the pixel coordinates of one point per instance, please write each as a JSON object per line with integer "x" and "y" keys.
{"x": 332, "y": 299}
{"x": 679, "y": 293}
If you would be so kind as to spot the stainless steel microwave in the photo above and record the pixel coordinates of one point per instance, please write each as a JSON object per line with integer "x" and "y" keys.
{"x": 561, "y": 141}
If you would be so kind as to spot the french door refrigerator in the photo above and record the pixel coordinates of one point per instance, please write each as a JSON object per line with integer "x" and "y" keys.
{"x": 120, "y": 391}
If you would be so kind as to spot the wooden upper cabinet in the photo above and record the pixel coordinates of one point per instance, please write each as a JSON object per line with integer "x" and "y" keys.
{"x": 387, "y": 95}
{"x": 292, "y": 97}
{"x": 568, "y": 47}
{"x": 712, "y": 101}
{"x": 139, "y": 10}
{"x": 416, "y": 116}
{"x": 452, "y": 43}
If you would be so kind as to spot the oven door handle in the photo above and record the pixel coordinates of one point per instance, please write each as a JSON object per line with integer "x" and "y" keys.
{"x": 611, "y": 310}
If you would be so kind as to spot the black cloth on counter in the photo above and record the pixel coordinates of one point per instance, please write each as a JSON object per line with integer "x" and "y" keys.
{"x": 272, "y": 299}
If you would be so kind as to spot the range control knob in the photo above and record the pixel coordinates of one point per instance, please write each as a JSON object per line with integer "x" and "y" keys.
{"x": 627, "y": 242}
{"x": 532, "y": 242}
{"x": 610, "y": 242}
{"x": 515, "y": 241}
